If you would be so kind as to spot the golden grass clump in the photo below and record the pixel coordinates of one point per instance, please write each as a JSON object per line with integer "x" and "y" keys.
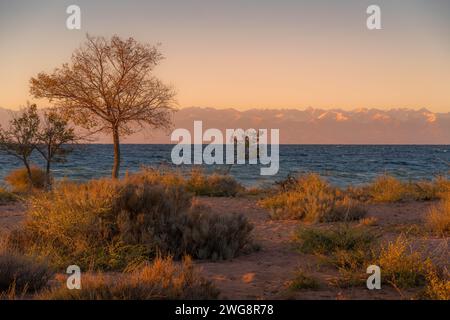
{"x": 161, "y": 279}
{"x": 438, "y": 285}
{"x": 311, "y": 199}
{"x": 438, "y": 218}
{"x": 401, "y": 265}
{"x": 214, "y": 185}
{"x": 386, "y": 188}
{"x": 19, "y": 181}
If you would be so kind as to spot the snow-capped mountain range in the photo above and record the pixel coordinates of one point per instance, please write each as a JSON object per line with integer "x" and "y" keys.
{"x": 310, "y": 126}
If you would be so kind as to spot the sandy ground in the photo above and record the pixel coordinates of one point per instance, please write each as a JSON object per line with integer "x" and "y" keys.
{"x": 265, "y": 274}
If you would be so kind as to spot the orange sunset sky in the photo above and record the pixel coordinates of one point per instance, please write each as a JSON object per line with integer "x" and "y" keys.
{"x": 250, "y": 54}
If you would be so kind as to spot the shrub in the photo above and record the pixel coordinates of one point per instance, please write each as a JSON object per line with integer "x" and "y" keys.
{"x": 400, "y": 265}
{"x": 214, "y": 185}
{"x": 215, "y": 236}
{"x": 332, "y": 240}
{"x": 20, "y": 182}
{"x": 386, "y": 189}
{"x": 311, "y": 199}
{"x": 21, "y": 273}
{"x": 303, "y": 281}
{"x": 162, "y": 279}
{"x": 438, "y": 285}
{"x": 5, "y": 196}
{"x": 107, "y": 224}
{"x": 346, "y": 209}
{"x": 438, "y": 218}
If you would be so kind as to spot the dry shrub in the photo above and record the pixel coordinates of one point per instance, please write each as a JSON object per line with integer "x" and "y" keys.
{"x": 214, "y": 236}
{"x": 311, "y": 199}
{"x": 368, "y": 222}
{"x": 438, "y": 285}
{"x": 303, "y": 281}
{"x": 214, "y": 185}
{"x": 389, "y": 189}
{"x": 402, "y": 266}
{"x": 161, "y": 279}
{"x": 21, "y": 274}
{"x": 6, "y": 196}
{"x": 19, "y": 181}
{"x": 438, "y": 218}
{"x": 106, "y": 225}
{"x": 386, "y": 189}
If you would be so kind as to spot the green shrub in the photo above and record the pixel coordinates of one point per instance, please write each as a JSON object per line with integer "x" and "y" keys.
{"x": 22, "y": 274}
{"x": 311, "y": 199}
{"x": 106, "y": 225}
{"x": 20, "y": 182}
{"x": 162, "y": 279}
{"x": 332, "y": 240}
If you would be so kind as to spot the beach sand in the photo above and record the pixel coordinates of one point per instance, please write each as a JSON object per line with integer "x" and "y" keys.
{"x": 265, "y": 274}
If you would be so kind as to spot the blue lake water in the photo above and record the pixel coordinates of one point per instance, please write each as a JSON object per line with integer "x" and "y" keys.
{"x": 340, "y": 164}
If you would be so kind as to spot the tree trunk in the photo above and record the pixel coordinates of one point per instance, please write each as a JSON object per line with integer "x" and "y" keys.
{"x": 30, "y": 176}
{"x": 47, "y": 175}
{"x": 116, "y": 167}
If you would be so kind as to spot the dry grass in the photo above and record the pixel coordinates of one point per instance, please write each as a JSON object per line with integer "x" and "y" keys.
{"x": 214, "y": 185}
{"x": 105, "y": 224}
{"x": 162, "y": 279}
{"x": 303, "y": 281}
{"x": 6, "y": 196}
{"x": 401, "y": 265}
{"x": 311, "y": 199}
{"x": 438, "y": 218}
{"x": 19, "y": 182}
{"x": 20, "y": 274}
{"x": 389, "y": 189}
{"x": 438, "y": 285}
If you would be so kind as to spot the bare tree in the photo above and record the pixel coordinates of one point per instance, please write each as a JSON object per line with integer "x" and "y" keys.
{"x": 20, "y": 139}
{"x": 109, "y": 87}
{"x": 53, "y": 139}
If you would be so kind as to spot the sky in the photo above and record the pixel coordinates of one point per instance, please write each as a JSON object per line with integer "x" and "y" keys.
{"x": 250, "y": 53}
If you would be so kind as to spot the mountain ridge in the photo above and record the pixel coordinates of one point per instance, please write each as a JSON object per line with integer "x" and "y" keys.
{"x": 310, "y": 125}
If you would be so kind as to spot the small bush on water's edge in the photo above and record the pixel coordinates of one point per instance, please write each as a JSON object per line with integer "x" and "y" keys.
{"x": 20, "y": 182}
{"x": 214, "y": 185}
{"x": 105, "y": 225}
{"x": 161, "y": 279}
{"x": 386, "y": 188}
{"x": 311, "y": 199}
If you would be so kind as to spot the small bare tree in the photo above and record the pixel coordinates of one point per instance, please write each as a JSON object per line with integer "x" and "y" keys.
{"x": 53, "y": 140}
{"x": 20, "y": 139}
{"x": 109, "y": 87}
